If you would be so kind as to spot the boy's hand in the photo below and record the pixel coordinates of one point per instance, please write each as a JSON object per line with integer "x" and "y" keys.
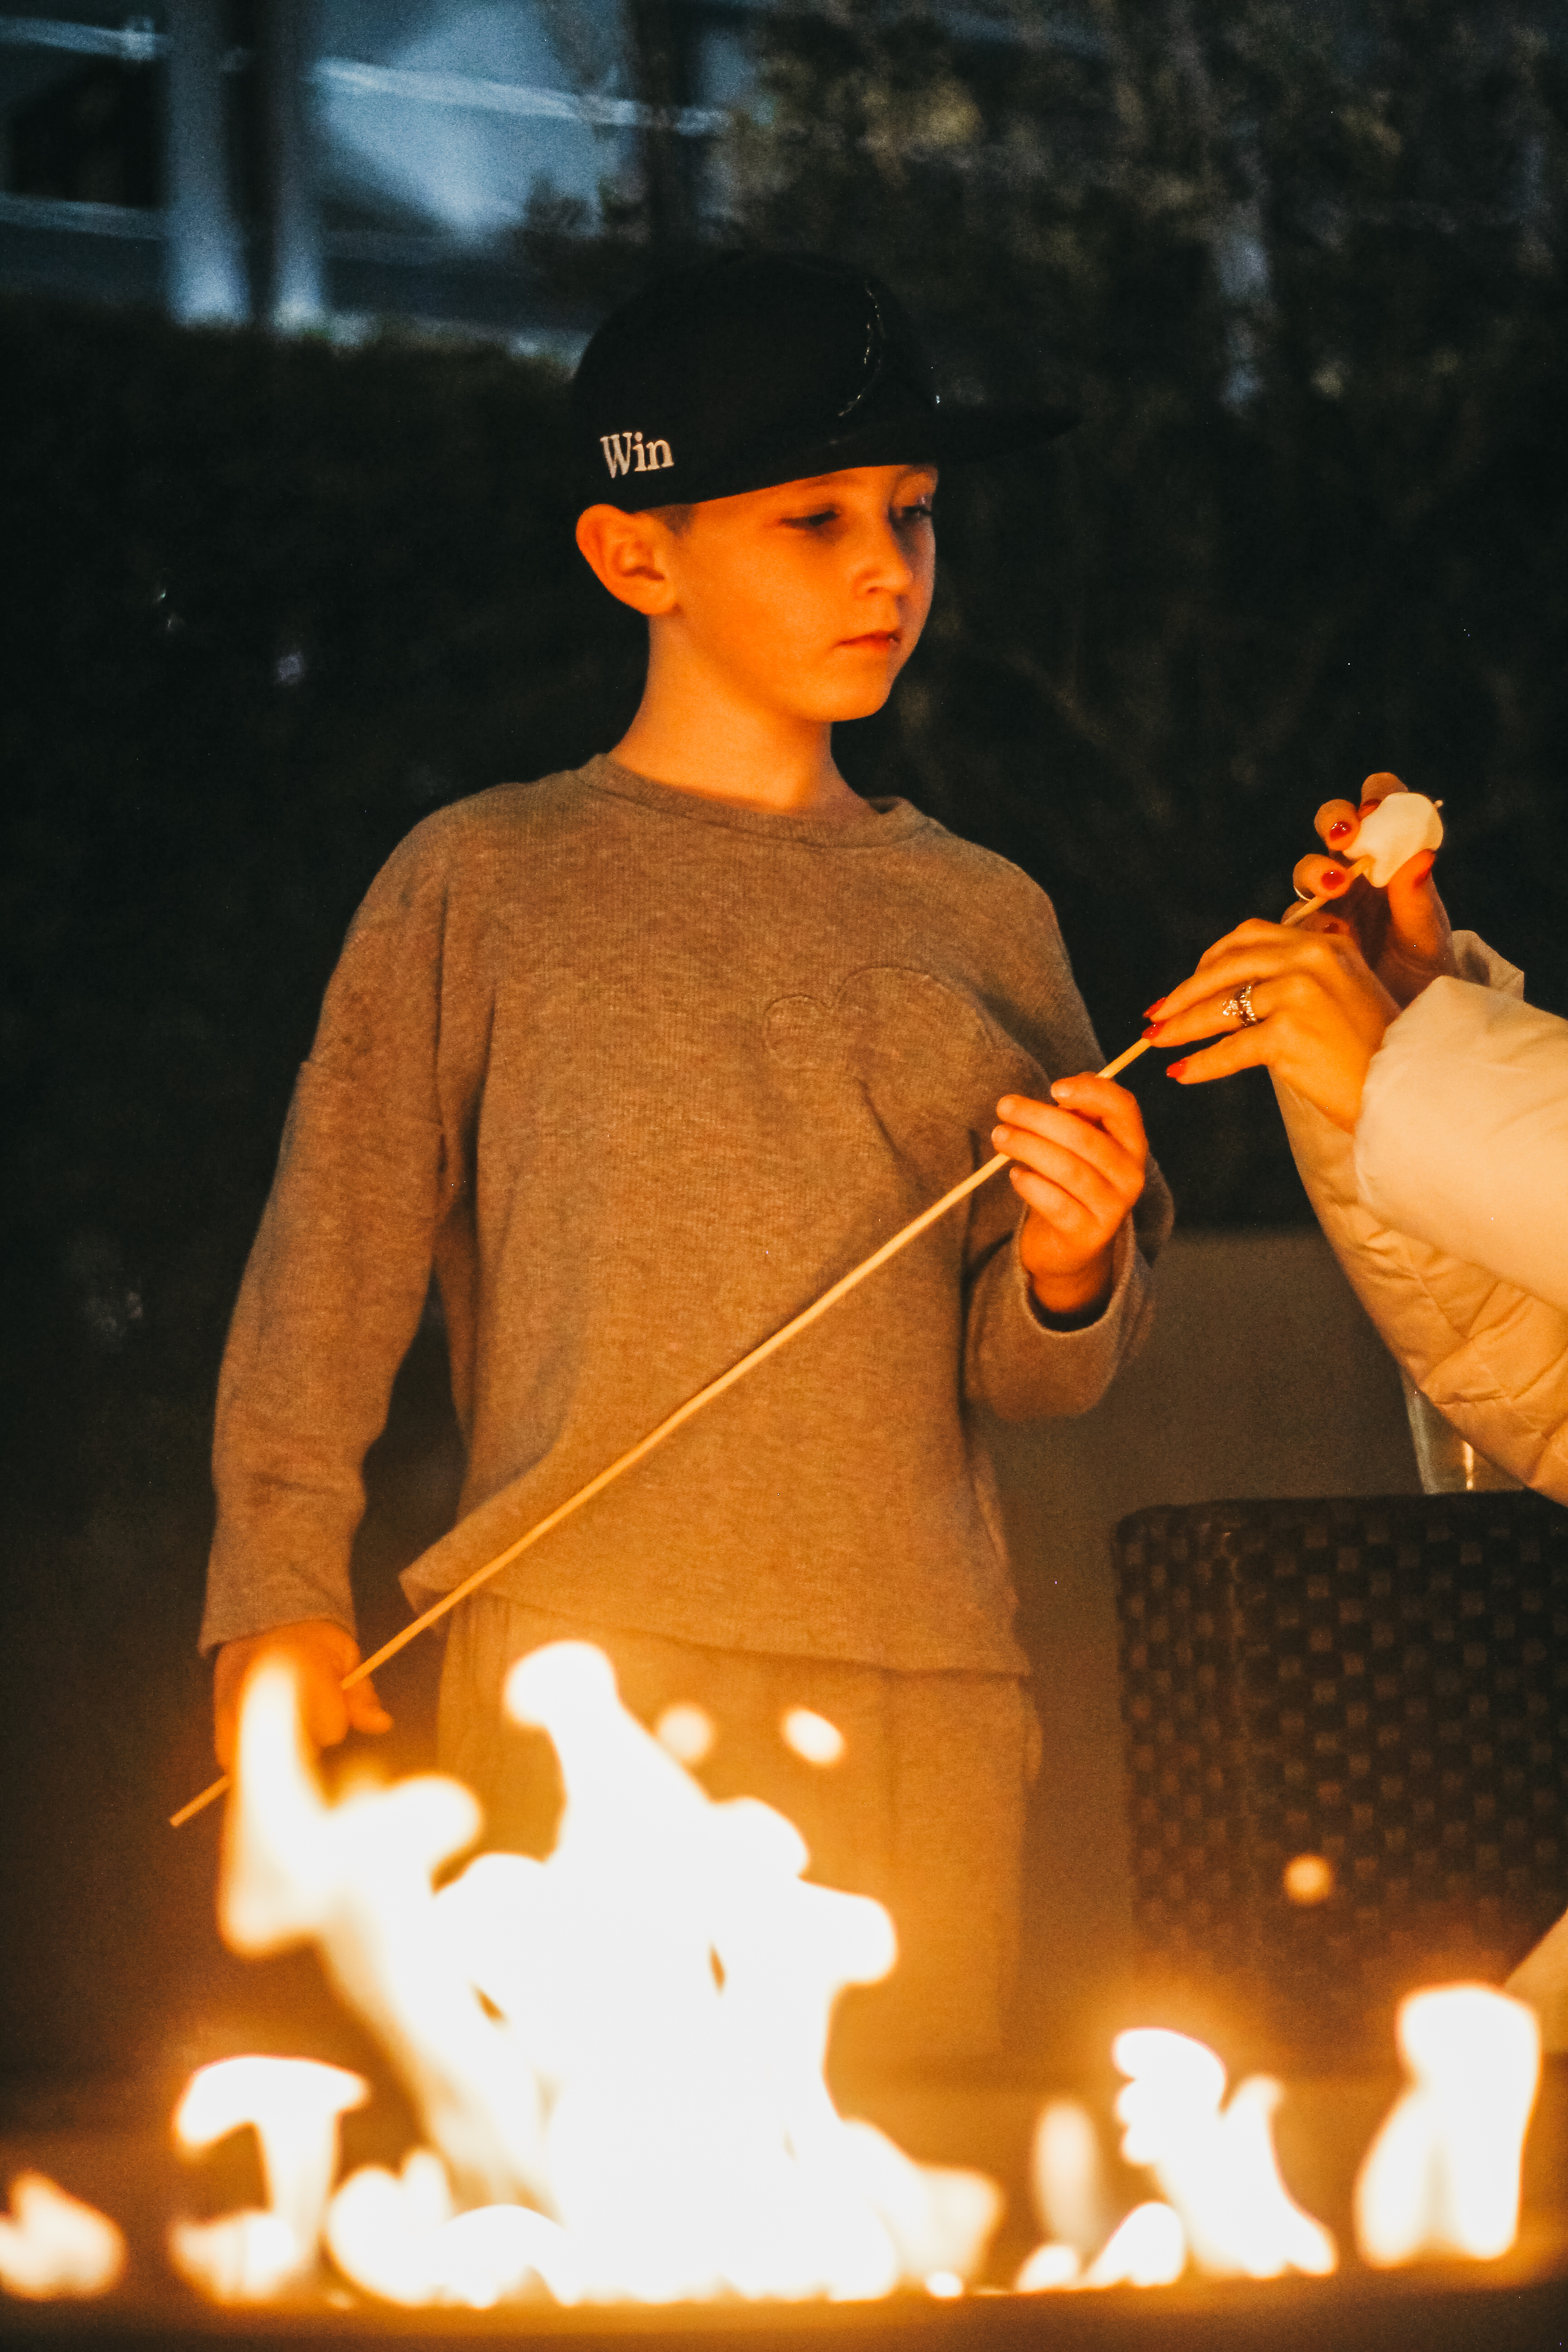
{"x": 321, "y": 1655}
{"x": 1082, "y": 1159}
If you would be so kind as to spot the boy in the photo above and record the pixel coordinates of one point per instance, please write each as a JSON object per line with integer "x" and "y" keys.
{"x": 638, "y": 1060}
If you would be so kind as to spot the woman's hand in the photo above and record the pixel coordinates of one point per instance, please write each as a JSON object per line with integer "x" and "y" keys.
{"x": 1402, "y": 931}
{"x": 1319, "y": 1012}
{"x": 1324, "y": 991}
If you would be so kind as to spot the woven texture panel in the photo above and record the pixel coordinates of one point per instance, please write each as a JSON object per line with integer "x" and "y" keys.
{"x": 1382, "y": 1683}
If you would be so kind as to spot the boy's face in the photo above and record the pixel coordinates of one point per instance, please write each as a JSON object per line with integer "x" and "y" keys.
{"x": 809, "y": 598}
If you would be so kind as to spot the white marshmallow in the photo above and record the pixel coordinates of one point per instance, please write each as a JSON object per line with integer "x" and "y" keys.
{"x": 1398, "y": 827}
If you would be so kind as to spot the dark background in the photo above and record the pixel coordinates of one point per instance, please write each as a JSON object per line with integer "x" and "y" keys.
{"x": 264, "y": 604}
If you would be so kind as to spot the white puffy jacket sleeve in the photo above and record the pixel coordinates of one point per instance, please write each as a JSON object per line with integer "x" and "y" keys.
{"x": 1463, "y": 1136}
{"x": 1449, "y": 1209}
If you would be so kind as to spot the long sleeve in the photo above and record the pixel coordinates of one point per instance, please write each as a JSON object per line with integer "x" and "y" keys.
{"x": 639, "y": 1074}
{"x": 1020, "y": 1368}
{"x": 1463, "y": 1136}
{"x": 1491, "y": 1354}
{"x": 335, "y": 1282}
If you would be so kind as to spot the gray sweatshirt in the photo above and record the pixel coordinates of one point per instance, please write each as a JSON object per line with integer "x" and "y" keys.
{"x": 639, "y": 1074}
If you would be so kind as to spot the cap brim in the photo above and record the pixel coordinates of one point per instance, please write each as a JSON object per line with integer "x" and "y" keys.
{"x": 971, "y": 433}
{"x": 937, "y": 437}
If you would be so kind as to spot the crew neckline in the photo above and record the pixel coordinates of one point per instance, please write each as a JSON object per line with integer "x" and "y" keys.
{"x": 882, "y": 822}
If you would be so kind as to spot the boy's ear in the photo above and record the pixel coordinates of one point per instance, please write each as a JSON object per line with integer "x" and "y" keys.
{"x": 628, "y": 554}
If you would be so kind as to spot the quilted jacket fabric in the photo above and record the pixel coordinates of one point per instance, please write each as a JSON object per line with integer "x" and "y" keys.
{"x": 1447, "y": 1208}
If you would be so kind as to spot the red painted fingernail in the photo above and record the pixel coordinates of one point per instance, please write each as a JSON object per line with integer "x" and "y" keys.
{"x": 1175, "y": 1070}
{"x": 1340, "y": 827}
{"x": 1150, "y": 1011}
{"x": 1153, "y": 1030}
{"x": 1332, "y": 879}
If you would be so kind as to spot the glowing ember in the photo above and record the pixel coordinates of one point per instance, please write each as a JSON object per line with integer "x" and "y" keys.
{"x": 1443, "y": 2175}
{"x": 812, "y": 1736}
{"x": 1309, "y": 1878}
{"x": 685, "y": 1732}
{"x": 51, "y": 2244}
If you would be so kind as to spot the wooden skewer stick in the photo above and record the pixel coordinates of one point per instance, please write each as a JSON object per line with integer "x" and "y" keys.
{"x": 1114, "y": 1069}
{"x": 667, "y": 1428}
{"x": 1305, "y": 906}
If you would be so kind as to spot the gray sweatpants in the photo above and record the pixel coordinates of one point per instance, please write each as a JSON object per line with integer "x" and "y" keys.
{"x": 925, "y": 1811}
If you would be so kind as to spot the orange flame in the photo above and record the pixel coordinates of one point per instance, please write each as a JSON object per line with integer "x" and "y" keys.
{"x": 616, "y": 2052}
{"x": 1218, "y": 2170}
{"x": 292, "y": 2105}
{"x": 617, "y": 2056}
{"x": 1443, "y": 2175}
{"x": 1227, "y": 2203}
{"x": 52, "y": 2244}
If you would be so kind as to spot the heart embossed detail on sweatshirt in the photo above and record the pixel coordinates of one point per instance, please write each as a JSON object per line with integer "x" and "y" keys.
{"x": 885, "y": 1023}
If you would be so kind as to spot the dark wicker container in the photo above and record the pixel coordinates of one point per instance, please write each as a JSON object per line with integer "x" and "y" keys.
{"x": 1380, "y": 1682}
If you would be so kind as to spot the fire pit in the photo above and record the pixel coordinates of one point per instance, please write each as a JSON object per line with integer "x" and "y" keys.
{"x": 1508, "y": 2307}
{"x": 1520, "y": 2302}
{"x": 666, "y": 2158}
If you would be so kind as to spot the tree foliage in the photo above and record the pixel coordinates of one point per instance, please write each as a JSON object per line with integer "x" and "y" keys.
{"x": 1304, "y": 268}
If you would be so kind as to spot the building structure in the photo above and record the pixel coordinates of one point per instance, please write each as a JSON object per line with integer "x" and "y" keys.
{"x": 328, "y": 164}
{"x": 332, "y": 165}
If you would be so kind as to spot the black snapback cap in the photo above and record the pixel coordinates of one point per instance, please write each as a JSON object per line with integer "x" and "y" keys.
{"x": 762, "y": 368}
